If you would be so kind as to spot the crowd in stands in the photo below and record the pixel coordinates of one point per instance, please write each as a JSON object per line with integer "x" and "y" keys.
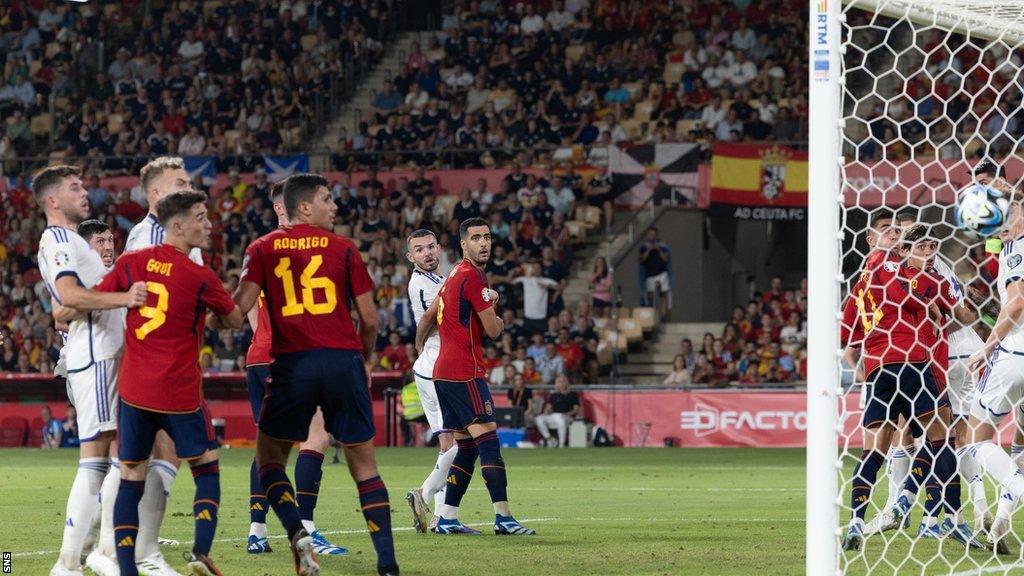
{"x": 514, "y": 83}
{"x": 187, "y": 77}
{"x": 764, "y": 342}
{"x": 225, "y": 80}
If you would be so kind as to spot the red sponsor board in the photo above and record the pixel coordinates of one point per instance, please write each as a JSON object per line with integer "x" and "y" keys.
{"x": 720, "y": 418}
{"x": 913, "y": 183}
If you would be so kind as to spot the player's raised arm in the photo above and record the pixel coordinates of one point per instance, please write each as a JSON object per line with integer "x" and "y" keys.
{"x": 72, "y": 294}
{"x": 493, "y": 326}
{"x": 1010, "y": 316}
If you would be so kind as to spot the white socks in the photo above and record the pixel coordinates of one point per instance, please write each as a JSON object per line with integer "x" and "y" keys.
{"x": 309, "y": 526}
{"x": 108, "y": 494}
{"x": 899, "y": 468}
{"x": 258, "y": 530}
{"x": 159, "y": 478}
{"x": 83, "y": 503}
{"x": 1004, "y": 471}
{"x": 438, "y": 478}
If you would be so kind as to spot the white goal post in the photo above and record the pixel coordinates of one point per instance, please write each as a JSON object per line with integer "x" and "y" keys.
{"x": 985, "y": 22}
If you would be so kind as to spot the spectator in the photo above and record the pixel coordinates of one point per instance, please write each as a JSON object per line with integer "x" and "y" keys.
{"x": 52, "y": 429}
{"x": 680, "y": 375}
{"x": 601, "y": 287}
{"x": 535, "y": 298}
{"x": 686, "y": 351}
{"x": 655, "y": 260}
{"x": 69, "y": 428}
{"x": 520, "y": 396}
{"x": 550, "y": 365}
{"x": 561, "y": 409}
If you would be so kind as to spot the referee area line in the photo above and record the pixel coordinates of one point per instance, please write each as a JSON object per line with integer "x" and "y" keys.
{"x": 481, "y": 524}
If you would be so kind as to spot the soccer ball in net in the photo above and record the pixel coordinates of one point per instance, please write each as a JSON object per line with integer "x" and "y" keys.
{"x": 980, "y": 210}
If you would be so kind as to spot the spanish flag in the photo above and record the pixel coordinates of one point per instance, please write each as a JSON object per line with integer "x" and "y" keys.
{"x": 758, "y": 175}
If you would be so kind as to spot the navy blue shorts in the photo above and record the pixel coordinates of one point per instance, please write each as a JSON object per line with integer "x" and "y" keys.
{"x": 907, "y": 390}
{"x": 334, "y": 380}
{"x": 256, "y": 377}
{"x": 192, "y": 432}
{"x": 464, "y": 403}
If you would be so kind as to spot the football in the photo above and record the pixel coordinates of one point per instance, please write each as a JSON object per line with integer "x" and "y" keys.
{"x": 980, "y": 210}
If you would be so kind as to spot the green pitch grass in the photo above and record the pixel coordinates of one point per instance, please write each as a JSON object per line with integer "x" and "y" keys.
{"x": 596, "y": 511}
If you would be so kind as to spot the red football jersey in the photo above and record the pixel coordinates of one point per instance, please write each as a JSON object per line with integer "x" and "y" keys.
{"x": 308, "y": 276}
{"x": 890, "y": 303}
{"x": 933, "y": 332}
{"x": 259, "y": 348}
{"x": 458, "y": 323}
{"x": 160, "y": 370}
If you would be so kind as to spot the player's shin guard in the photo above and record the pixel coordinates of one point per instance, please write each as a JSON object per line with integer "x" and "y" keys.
{"x": 492, "y": 467}
{"x": 257, "y": 498}
{"x": 159, "y": 479}
{"x": 281, "y": 496}
{"x": 126, "y": 524}
{"x": 934, "y": 488}
{"x": 864, "y": 479}
{"x": 308, "y": 472}
{"x": 108, "y": 496}
{"x": 373, "y": 497}
{"x": 205, "y": 505}
{"x": 82, "y": 507}
{"x": 460, "y": 472}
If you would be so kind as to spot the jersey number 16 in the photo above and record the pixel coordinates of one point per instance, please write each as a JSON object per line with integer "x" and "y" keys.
{"x": 309, "y": 282}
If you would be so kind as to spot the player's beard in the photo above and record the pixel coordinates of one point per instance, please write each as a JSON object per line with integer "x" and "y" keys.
{"x": 74, "y": 216}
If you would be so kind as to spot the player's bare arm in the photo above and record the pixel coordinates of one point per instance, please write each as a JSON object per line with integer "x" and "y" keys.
{"x": 245, "y": 296}
{"x": 368, "y": 321}
{"x": 427, "y": 325}
{"x": 232, "y": 321}
{"x": 76, "y": 296}
{"x": 1009, "y": 318}
{"x": 493, "y": 326}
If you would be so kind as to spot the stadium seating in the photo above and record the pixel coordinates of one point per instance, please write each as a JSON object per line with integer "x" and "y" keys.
{"x": 13, "y": 432}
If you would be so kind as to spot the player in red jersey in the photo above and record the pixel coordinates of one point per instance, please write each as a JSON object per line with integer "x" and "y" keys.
{"x": 893, "y": 301}
{"x": 464, "y": 314}
{"x": 310, "y": 276}
{"x": 309, "y": 464}
{"x": 160, "y": 379}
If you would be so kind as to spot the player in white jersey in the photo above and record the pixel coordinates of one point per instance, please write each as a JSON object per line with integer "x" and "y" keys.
{"x": 160, "y": 177}
{"x": 1001, "y": 388}
{"x": 94, "y": 345}
{"x": 423, "y": 252}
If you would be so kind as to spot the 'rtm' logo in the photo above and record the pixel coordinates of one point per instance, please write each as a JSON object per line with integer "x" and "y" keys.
{"x": 706, "y": 420}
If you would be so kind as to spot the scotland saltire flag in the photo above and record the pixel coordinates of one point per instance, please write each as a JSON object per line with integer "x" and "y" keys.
{"x": 204, "y": 167}
{"x": 281, "y": 167}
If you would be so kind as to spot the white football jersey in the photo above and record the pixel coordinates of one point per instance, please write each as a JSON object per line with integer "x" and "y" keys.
{"x": 100, "y": 334}
{"x": 149, "y": 232}
{"x": 965, "y": 341}
{"x": 1011, "y": 269}
{"x": 423, "y": 288}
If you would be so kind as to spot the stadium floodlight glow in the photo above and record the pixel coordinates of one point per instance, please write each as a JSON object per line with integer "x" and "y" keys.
{"x": 905, "y": 97}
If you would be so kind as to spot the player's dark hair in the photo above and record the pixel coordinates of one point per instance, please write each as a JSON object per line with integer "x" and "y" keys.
{"x": 470, "y": 223}
{"x": 89, "y": 228}
{"x": 881, "y": 214}
{"x": 988, "y": 167}
{"x": 277, "y": 191}
{"x": 421, "y": 233}
{"x": 50, "y": 177}
{"x": 916, "y": 233}
{"x": 177, "y": 204}
{"x": 300, "y": 188}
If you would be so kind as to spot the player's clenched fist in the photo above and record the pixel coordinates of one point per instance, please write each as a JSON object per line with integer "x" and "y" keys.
{"x": 136, "y": 295}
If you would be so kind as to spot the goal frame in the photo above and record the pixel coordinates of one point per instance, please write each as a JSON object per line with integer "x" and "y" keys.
{"x": 824, "y": 200}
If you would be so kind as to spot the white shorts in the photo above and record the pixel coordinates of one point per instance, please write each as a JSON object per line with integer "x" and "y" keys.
{"x": 960, "y": 387}
{"x": 431, "y": 406}
{"x": 658, "y": 283}
{"x": 93, "y": 392}
{"x": 1000, "y": 389}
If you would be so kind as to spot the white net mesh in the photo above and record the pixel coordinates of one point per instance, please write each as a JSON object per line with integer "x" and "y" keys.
{"x": 930, "y": 90}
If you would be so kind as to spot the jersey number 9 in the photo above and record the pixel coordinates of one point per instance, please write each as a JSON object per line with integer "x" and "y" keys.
{"x": 157, "y": 314}
{"x": 293, "y": 306}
